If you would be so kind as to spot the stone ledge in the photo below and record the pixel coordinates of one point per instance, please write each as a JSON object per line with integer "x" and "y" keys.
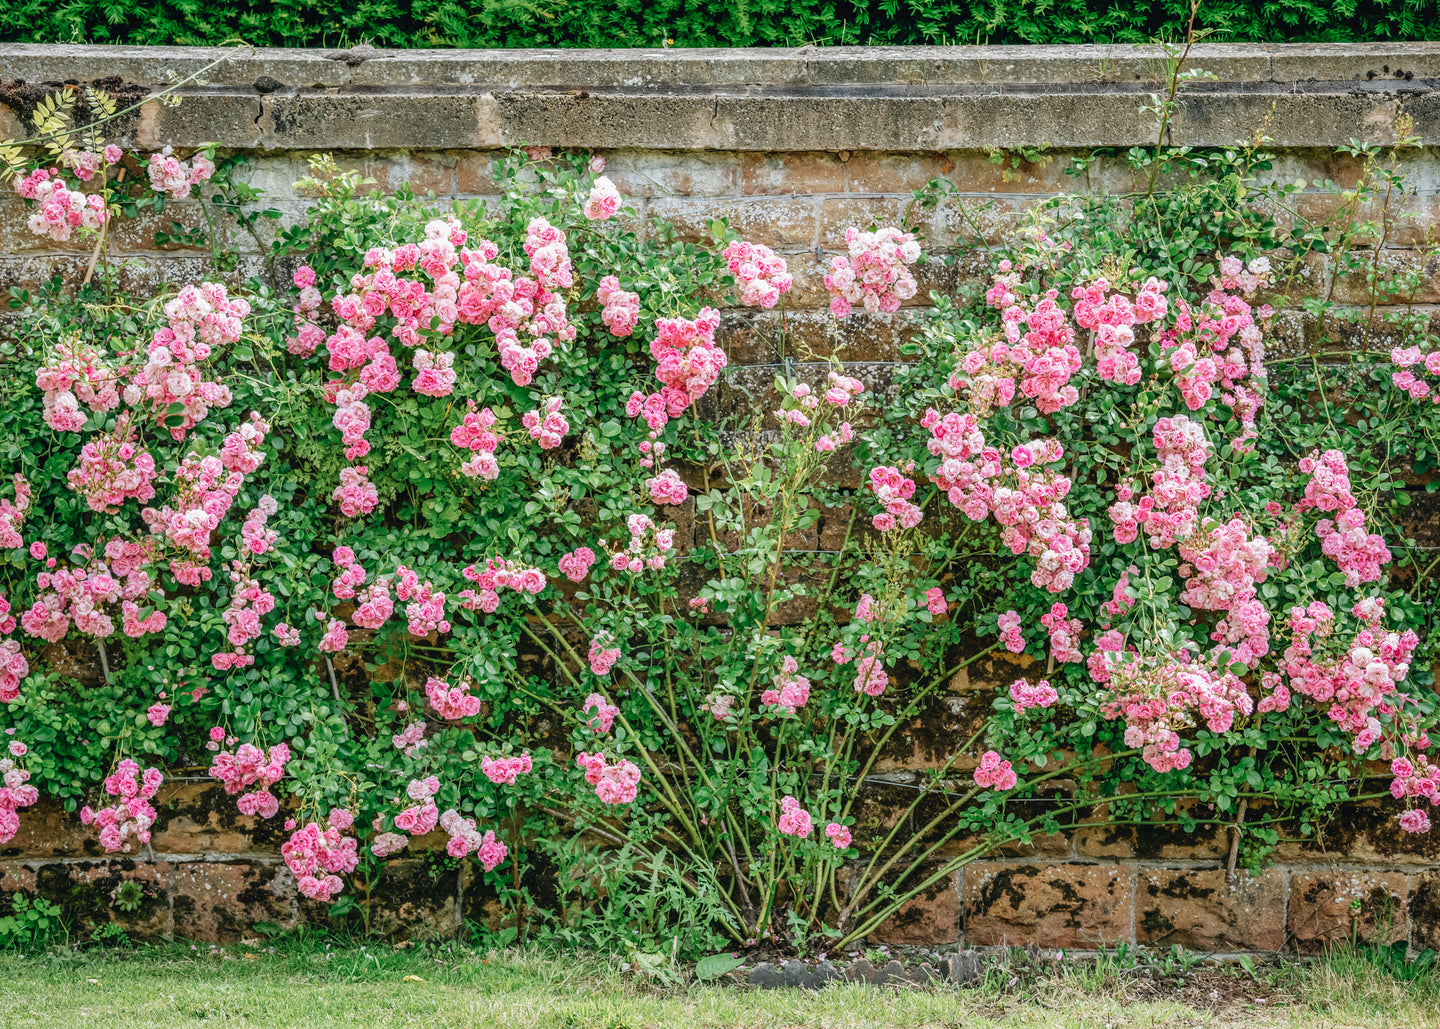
{"x": 645, "y": 69}
{"x": 896, "y": 99}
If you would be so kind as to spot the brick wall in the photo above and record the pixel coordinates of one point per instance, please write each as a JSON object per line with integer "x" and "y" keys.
{"x": 792, "y": 147}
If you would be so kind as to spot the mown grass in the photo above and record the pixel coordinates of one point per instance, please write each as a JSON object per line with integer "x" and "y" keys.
{"x": 303, "y": 984}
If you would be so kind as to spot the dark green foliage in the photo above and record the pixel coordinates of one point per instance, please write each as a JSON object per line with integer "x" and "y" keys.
{"x": 639, "y": 23}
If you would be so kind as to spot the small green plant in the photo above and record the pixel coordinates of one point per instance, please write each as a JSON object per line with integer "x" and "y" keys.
{"x": 32, "y": 924}
{"x": 111, "y": 934}
{"x": 128, "y": 896}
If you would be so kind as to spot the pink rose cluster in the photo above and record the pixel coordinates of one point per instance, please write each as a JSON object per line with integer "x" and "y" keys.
{"x": 791, "y": 690}
{"x": 132, "y": 815}
{"x": 760, "y": 273}
{"x": 76, "y": 373}
{"x": 422, "y": 816}
{"x": 620, "y": 312}
{"x": 308, "y": 335}
{"x": 12, "y": 514}
{"x": 1358, "y": 680}
{"x": 356, "y": 494}
{"x": 546, "y": 425}
{"x": 58, "y": 211}
{"x": 794, "y": 820}
{"x": 615, "y": 783}
{"x": 1008, "y": 625}
{"x": 604, "y": 200}
{"x": 318, "y": 857}
{"x": 15, "y": 789}
{"x": 894, "y": 489}
{"x": 648, "y": 546}
{"x": 451, "y": 702}
{"x": 1159, "y": 696}
{"x": 603, "y": 716}
{"x": 1111, "y": 320}
{"x": 602, "y": 656}
{"x": 13, "y": 666}
{"x": 82, "y": 592}
{"x": 1038, "y": 350}
{"x": 1218, "y": 343}
{"x": 113, "y": 468}
{"x": 1406, "y": 358}
{"x": 499, "y": 574}
{"x": 250, "y": 772}
{"x": 1040, "y": 694}
{"x": 249, "y": 602}
{"x": 1344, "y": 540}
{"x": 687, "y": 363}
{"x": 465, "y": 839}
{"x": 425, "y": 607}
{"x": 993, "y": 773}
{"x": 86, "y": 164}
{"x": 1064, "y": 633}
{"x": 503, "y": 771}
{"x": 257, "y": 538}
{"x": 199, "y": 319}
{"x": 667, "y": 488}
{"x": 1223, "y": 568}
{"x": 1171, "y": 511}
{"x": 576, "y": 564}
{"x": 476, "y": 434}
{"x": 839, "y": 835}
{"x": 205, "y": 488}
{"x": 172, "y": 176}
{"x": 1024, "y": 497}
{"x": 875, "y": 273}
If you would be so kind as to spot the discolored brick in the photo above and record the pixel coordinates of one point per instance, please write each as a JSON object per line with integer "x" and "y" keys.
{"x": 224, "y": 900}
{"x": 1068, "y": 905}
{"x": 1200, "y": 909}
{"x": 1329, "y": 908}
{"x": 930, "y": 919}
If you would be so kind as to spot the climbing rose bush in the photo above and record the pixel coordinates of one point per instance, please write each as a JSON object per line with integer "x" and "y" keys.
{"x": 444, "y": 523}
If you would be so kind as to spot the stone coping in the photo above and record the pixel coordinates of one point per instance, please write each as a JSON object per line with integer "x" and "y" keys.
{"x": 657, "y": 69}
{"x": 882, "y": 98}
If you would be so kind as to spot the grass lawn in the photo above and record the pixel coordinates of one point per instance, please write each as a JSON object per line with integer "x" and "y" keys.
{"x": 293, "y": 985}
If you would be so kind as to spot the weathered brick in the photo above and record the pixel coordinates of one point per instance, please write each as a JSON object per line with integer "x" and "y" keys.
{"x": 791, "y": 174}
{"x": 654, "y": 173}
{"x": 931, "y": 919}
{"x": 48, "y": 830}
{"x": 1328, "y": 908}
{"x": 1425, "y": 910}
{"x": 1069, "y": 905}
{"x": 201, "y": 818}
{"x": 775, "y": 221}
{"x": 1167, "y": 842}
{"x": 89, "y": 893}
{"x": 224, "y": 900}
{"x": 836, "y": 214}
{"x": 1199, "y": 910}
{"x": 895, "y": 173}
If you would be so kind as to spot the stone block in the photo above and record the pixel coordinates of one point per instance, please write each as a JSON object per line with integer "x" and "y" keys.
{"x": 1425, "y": 910}
{"x": 1199, "y": 910}
{"x": 201, "y": 818}
{"x": 1067, "y": 905}
{"x": 90, "y": 894}
{"x": 791, "y": 174}
{"x": 775, "y": 221}
{"x": 930, "y": 919}
{"x": 1330, "y": 908}
{"x": 224, "y": 900}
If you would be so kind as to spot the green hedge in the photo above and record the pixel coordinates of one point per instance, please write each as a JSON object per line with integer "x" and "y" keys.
{"x": 627, "y": 23}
